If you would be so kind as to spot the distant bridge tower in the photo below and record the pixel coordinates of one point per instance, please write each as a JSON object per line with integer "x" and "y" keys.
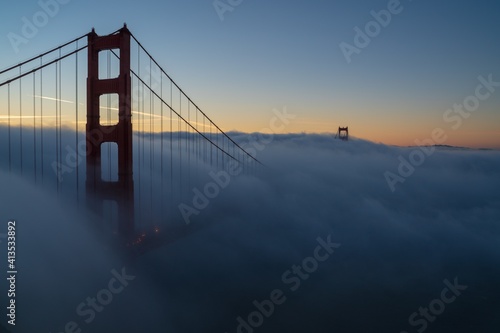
{"x": 343, "y": 133}
{"x": 122, "y": 191}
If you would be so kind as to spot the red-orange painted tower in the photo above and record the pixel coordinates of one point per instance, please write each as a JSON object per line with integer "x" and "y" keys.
{"x": 343, "y": 133}
{"x": 98, "y": 190}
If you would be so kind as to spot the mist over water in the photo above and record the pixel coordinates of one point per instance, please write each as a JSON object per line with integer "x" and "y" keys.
{"x": 394, "y": 249}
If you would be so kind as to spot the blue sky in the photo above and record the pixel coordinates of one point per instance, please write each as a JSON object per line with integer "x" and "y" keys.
{"x": 266, "y": 55}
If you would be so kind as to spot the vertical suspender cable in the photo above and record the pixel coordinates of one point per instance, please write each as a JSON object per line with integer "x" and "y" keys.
{"x": 108, "y": 113}
{"x": 21, "y": 120}
{"x": 57, "y": 133}
{"x": 161, "y": 149}
{"x": 151, "y": 142}
{"x": 217, "y": 152}
{"x": 41, "y": 117}
{"x": 197, "y": 154}
{"x": 203, "y": 144}
{"x": 143, "y": 107}
{"x": 8, "y": 112}
{"x": 59, "y": 101}
{"x": 171, "y": 153}
{"x": 188, "y": 134}
{"x": 179, "y": 128}
{"x": 34, "y": 122}
{"x": 76, "y": 124}
{"x": 211, "y": 146}
{"x": 139, "y": 98}
{"x": 143, "y": 133}
{"x": 180, "y": 146}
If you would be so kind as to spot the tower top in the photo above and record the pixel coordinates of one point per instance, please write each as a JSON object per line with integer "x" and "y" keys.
{"x": 343, "y": 133}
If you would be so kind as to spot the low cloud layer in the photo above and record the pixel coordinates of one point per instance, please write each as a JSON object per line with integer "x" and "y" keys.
{"x": 396, "y": 251}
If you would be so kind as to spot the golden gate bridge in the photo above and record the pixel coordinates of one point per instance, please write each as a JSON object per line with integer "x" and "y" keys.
{"x": 129, "y": 143}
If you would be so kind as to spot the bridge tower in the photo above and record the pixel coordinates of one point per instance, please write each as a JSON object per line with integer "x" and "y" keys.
{"x": 98, "y": 190}
{"x": 343, "y": 133}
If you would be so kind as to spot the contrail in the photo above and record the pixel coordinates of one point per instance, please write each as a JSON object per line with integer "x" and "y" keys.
{"x": 55, "y": 99}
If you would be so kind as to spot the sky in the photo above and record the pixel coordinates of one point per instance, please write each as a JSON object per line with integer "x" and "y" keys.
{"x": 264, "y": 55}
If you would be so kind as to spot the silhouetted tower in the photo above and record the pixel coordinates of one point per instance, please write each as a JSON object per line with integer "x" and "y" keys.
{"x": 121, "y": 191}
{"x": 343, "y": 133}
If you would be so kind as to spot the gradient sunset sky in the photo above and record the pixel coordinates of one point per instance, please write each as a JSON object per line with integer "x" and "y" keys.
{"x": 275, "y": 54}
